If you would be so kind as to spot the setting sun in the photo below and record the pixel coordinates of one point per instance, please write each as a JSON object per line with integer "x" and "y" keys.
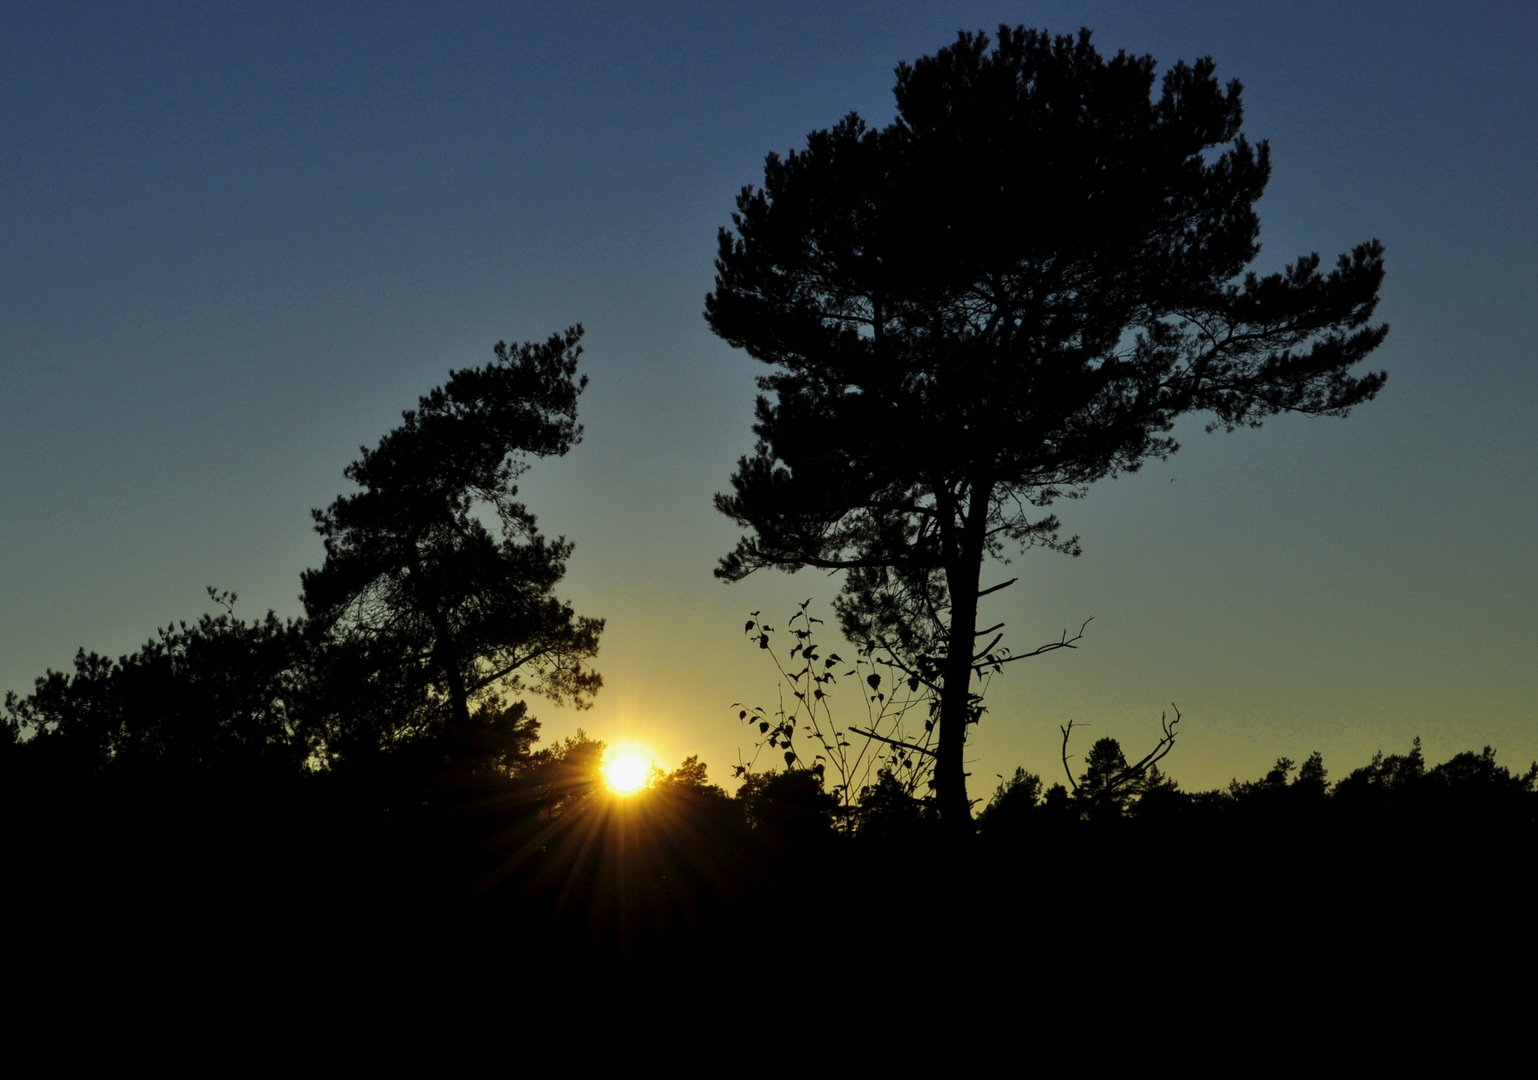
{"x": 626, "y": 773}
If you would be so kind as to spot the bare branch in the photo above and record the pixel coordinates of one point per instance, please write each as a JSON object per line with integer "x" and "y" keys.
{"x": 996, "y": 588}
{"x": 1165, "y": 745}
{"x": 988, "y": 648}
{"x": 892, "y": 742}
{"x": 1067, "y": 730}
{"x": 1051, "y": 646}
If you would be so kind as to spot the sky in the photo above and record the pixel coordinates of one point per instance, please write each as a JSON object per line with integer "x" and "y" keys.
{"x": 237, "y": 240}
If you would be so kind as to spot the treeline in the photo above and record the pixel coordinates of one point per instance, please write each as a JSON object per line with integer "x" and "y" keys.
{"x": 233, "y": 806}
{"x": 263, "y": 705}
{"x": 1469, "y": 790}
{"x": 270, "y": 705}
{"x": 271, "y": 733}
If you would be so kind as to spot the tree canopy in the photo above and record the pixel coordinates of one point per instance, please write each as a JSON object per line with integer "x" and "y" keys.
{"x": 1011, "y": 291}
{"x": 414, "y": 578}
{"x": 220, "y": 696}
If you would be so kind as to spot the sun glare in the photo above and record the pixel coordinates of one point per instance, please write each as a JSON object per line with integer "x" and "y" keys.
{"x": 626, "y": 773}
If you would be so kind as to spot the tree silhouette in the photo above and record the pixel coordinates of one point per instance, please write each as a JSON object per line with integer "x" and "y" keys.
{"x": 1008, "y": 293}
{"x": 414, "y": 582}
{"x": 1014, "y": 801}
{"x": 219, "y": 696}
{"x": 1104, "y": 765}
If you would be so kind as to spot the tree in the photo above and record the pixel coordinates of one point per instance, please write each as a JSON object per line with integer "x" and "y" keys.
{"x": 1011, "y": 291}
{"x": 413, "y": 579}
{"x": 219, "y": 698}
{"x": 1014, "y": 802}
{"x": 1104, "y": 765}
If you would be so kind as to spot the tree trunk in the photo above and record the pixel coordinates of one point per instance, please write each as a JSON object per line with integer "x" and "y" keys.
{"x": 445, "y": 655}
{"x": 963, "y": 573}
{"x": 448, "y": 660}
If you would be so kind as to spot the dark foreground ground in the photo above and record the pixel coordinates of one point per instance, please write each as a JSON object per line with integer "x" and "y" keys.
{"x": 233, "y": 930}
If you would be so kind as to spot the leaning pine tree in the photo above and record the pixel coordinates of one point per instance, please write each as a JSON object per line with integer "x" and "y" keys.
{"x": 1008, "y": 293}
{"x": 414, "y": 581}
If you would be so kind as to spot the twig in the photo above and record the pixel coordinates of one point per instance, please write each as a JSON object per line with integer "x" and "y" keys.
{"x": 892, "y": 742}
{"x": 1051, "y": 646}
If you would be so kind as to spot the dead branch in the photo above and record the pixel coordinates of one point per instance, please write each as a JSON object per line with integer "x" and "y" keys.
{"x": 1153, "y": 757}
{"x": 1067, "y": 731}
{"x": 996, "y": 588}
{"x": 1132, "y": 772}
{"x": 1066, "y": 642}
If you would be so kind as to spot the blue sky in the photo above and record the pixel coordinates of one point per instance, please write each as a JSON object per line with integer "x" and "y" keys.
{"x": 238, "y": 240}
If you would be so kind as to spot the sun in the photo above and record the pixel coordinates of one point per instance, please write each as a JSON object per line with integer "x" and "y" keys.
{"x": 626, "y": 774}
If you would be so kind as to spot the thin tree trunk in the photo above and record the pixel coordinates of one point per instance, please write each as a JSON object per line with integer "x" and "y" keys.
{"x": 962, "y": 576}
{"x": 448, "y": 660}
{"x": 445, "y": 655}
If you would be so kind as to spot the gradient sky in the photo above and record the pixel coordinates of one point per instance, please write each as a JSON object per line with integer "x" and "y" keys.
{"x": 237, "y": 241}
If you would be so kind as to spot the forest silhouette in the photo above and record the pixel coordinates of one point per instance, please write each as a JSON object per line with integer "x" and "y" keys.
{"x": 355, "y": 807}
